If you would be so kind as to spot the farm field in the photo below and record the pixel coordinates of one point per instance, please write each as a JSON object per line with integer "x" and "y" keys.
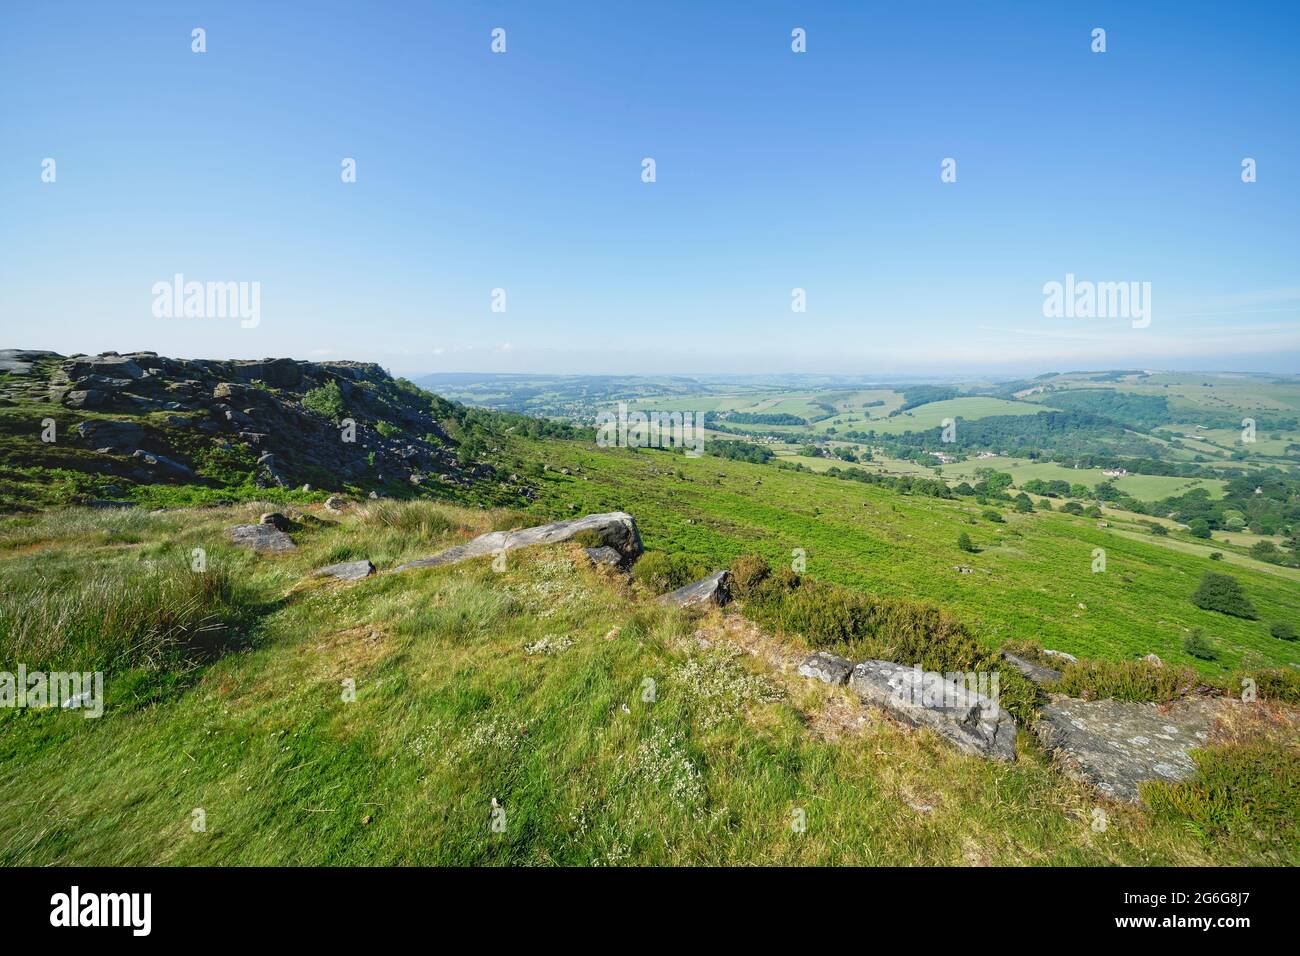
{"x": 931, "y": 415}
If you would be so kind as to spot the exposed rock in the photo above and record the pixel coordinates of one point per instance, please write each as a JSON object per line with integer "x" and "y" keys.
{"x": 336, "y": 504}
{"x": 617, "y": 530}
{"x": 605, "y": 555}
{"x": 85, "y": 398}
{"x": 1154, "y": 660}
{"x": 161, "y": 464}
{"x": 1061, "y": 655}
{"x": 347, "y": 570}
{"x": 1115, "y": 745}
{"x": 108, "y": 365}
{"x": 276, "y": 520}
{"x": 970, "y": 721}
{"x": 829, "y": 668}
{"x": 262, "y": 538}
{"x": 715, "y": 589}
{"x": 1035, "y": 672}
{"x": 19, "y": 361}
{"x": 113, "y": 435}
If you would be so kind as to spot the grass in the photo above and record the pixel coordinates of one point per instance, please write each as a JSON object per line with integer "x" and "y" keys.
{"x": 628, "y": 742}
{"x": 1033, "y": 576}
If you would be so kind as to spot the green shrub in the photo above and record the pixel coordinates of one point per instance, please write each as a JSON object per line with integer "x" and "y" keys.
{"x": 1197, "y": 645}
{"x": 965, "y": 544}
{"x": 1072, "y": 507}
{"x": 1223, "y": 593}
{"x": 387, "y": 430}
{"x": 327, "y": 400}
{"x": 1092, "y": 511}
{"x": 862, "y": 626}
{"x": 994, "y": 516}
{"x": 1243, "y": 797}
{"x": 1216, "y": 555}
{"x": 1127, "y": 680}
{"x": 748, "y": 571}
{"x": 1157, "y": 529}
{"x": 1274, "y": 683}
{"x": 1199, "y": 527}
{"x": 661, "y": 572}
{"x": 1282, "y": 630}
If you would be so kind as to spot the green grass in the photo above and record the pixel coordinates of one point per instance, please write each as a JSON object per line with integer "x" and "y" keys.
{"x": 452, "y": 711}
{"x": 1030, "y": 578}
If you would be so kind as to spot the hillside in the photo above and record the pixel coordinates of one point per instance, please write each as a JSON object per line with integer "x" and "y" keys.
{"x": 281, "y": 719}
{"x": 144, "y": 428}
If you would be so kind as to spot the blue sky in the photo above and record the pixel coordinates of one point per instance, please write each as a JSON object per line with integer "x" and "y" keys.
{"x": 775, "y": 170}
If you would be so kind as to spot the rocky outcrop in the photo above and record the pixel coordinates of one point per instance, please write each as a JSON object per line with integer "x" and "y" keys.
{"x": 616, "y": 529}
{"x": 115, "y": 436}
{"x": 968, "y": 720}
{"x": 262, "y": 538}
{"x": 252, "y": 411}
{"x": 347, "y": 570}
{"x": 828, "y": 668}
{"x": 1115, "y": 745}
{"x": 715, "y": 590}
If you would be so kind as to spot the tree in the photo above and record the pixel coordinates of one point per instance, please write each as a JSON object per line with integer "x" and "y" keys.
{"x": 964, "y": 542}
{"x": 1199, "y": 527}
{"x": 1223, "y": 593}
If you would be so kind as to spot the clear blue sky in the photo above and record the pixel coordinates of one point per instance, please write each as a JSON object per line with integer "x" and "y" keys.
{"x": 775, "y": 170}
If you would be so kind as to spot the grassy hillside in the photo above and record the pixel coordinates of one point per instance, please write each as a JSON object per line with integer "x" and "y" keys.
{"x": 1031, "y": 575}
{"x": 526, "y": 687}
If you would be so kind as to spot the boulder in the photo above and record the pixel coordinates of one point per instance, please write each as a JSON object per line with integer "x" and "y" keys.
{"x": 617, "y": 530}
{"x": 19, "y": 361}
{"x": 336, "y": 504}
{"x": 829, "y": 668}
{"x": 1061, "y": 656}
{"x": 108, "y": 365}
{"x": 1035, "y": 672}
{"x": 262, "y": 538}
{"x": 1114, "y": 745}
{"x": 85, "y": 398}
{"x": 605, "y": 555}
{"x": 715, "y": 589}
{"x": 113, "y": 435}
{"x": 276, "y": 520}
{"x": 347, "y": 571}
{"x": 277, "y": 373}
{"x": 968, "y": 720}
{"x": 162, "y": 465}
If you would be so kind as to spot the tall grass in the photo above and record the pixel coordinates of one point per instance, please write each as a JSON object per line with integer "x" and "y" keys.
{"x": 115, "y": 618}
